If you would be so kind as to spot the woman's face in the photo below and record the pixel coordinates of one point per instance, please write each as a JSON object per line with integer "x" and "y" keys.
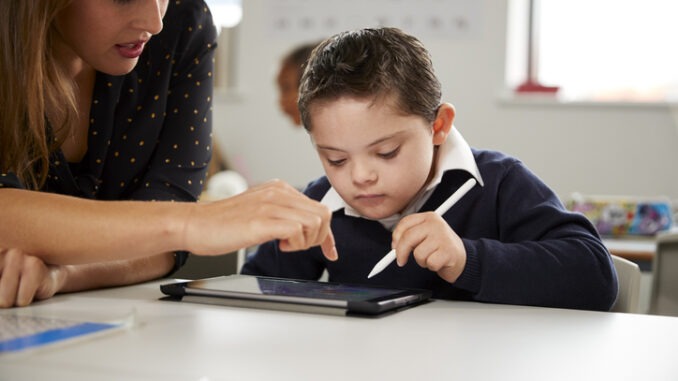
{"x": 108, "y": 35}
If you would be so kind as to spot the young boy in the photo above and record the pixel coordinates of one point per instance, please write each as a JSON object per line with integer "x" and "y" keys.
{"x": 372, "y": 105}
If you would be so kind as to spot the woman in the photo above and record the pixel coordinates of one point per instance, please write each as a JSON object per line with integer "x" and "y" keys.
{"x": 104, "y": 111}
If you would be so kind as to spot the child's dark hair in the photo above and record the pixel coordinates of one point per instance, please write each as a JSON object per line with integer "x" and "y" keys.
{"x": 376, "y": 63}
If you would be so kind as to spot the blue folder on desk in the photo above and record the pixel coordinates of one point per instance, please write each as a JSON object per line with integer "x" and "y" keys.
{"x": 20, "y": 333}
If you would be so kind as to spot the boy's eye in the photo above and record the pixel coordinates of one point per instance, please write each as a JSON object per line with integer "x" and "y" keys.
{"x": 390, "y": 154}
{"x": 336, "y": 163}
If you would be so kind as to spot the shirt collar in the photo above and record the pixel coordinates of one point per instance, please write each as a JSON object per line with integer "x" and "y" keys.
{"x": 453, "y": 154}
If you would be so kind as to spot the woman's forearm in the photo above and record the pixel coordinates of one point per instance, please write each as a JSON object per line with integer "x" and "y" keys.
{"x": 68, "y": 230}
{"x": 64, "y": 230}
{"x": 115, "y": 273}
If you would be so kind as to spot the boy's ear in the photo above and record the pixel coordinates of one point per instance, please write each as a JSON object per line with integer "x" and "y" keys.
{"x": 443, "y": 123}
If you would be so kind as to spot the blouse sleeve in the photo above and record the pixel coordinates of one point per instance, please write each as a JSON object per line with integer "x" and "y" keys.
{"x": 183, "y": 151}
{"x": 10, "y": 180}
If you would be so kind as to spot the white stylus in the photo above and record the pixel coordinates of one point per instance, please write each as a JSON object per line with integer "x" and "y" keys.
{"x": 456, "y": 196}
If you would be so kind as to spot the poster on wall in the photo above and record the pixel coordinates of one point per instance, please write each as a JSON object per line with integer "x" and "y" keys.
{"x": 428, "y": 19}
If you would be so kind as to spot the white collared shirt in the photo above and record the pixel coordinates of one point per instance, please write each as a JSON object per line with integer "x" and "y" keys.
{"x": 454, "y": 153}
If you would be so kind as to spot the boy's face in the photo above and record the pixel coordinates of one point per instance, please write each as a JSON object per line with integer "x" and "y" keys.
{"x": 376, "y": 159}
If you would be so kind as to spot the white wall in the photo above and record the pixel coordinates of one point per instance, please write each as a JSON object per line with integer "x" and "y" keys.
{"x": 594, "y": 149}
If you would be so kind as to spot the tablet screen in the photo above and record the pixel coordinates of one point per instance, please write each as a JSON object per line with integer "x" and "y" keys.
{"x": 297, "y": 288}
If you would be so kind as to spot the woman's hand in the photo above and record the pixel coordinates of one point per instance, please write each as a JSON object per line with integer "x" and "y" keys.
{"x": 273, "y": 210}
{"x": 433, "y": 244}
{"x": 25, "y": 278}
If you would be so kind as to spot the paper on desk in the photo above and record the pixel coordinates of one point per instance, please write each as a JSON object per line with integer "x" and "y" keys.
{"x": 19, "y": 332}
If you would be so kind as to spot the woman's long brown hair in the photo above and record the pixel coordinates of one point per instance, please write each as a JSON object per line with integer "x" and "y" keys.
{"x": 34, "y": 90}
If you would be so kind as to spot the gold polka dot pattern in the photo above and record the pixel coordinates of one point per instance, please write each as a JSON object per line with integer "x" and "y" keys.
{"x": 150, "y": 130}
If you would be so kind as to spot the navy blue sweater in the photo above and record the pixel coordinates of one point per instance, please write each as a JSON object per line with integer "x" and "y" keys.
{"x": 522, "y": 245}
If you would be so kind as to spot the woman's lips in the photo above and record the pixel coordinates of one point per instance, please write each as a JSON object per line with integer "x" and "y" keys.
{"x": 131, "y": 50}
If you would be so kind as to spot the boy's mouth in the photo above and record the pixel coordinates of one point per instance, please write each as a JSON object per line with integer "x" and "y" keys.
{"x": 370, "y": 200}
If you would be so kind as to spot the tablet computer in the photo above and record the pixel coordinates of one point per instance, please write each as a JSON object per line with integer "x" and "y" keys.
{"x": 296, "y": 295}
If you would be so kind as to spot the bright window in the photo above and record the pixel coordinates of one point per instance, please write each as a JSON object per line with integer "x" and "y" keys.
{"x": 226, "y": 13}
{"x": 611, "y": 50}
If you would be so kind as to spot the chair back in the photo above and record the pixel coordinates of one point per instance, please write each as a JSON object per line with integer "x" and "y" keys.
{"x": 664, "y": 299}
{"x": 628, "y": 276}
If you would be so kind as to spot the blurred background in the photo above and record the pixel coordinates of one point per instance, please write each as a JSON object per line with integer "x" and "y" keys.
{"x": 609, "y": 129}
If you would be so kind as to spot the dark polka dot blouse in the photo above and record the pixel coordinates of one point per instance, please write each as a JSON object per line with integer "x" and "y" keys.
{"x": 150, "y": 130}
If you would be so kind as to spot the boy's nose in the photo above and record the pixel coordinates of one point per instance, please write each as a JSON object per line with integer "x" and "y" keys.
{"x": 363, "y": 174}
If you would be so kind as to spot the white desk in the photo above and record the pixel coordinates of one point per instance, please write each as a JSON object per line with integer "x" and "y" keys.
{"x": 438, "y": 341}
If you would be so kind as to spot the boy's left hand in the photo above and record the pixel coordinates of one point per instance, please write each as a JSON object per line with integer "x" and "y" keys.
{"x": 433, "y": 244}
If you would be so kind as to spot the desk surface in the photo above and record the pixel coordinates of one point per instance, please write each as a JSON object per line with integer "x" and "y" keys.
{"x": 441, "y": 340}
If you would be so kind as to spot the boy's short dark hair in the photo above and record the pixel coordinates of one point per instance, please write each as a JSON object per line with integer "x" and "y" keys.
{"x": 371, "y": 63}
